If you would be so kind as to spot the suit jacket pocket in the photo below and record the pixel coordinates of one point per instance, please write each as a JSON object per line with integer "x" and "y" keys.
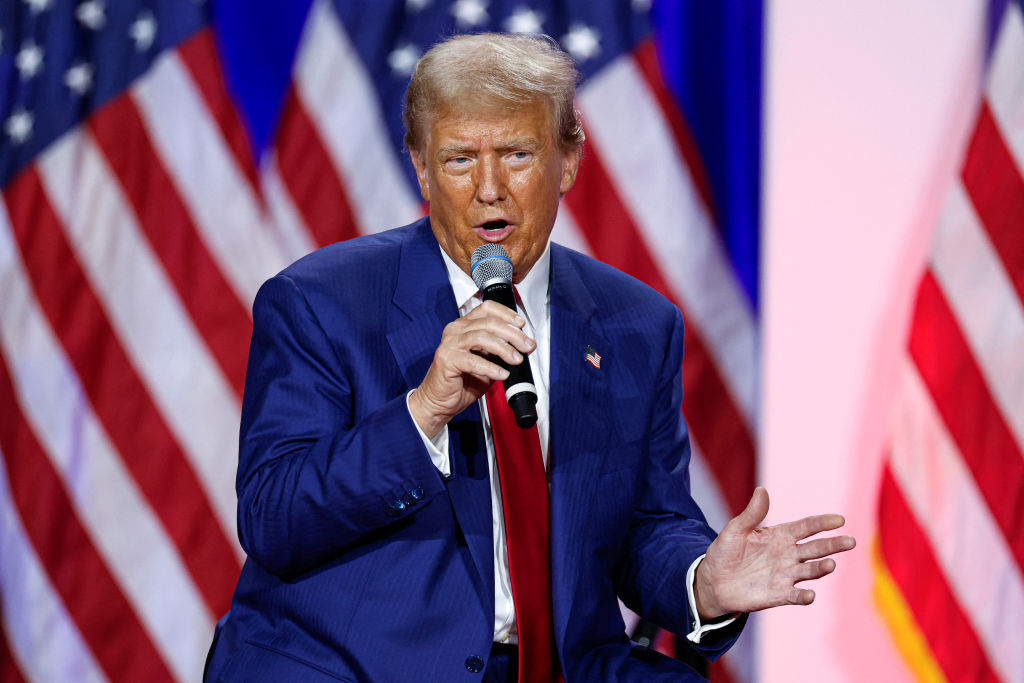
{"x": 257, "y": 662}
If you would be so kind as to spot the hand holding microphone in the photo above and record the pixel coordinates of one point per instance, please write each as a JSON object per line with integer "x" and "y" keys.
{"x": 492, "y": 269}
{"x": 484, "y": 346}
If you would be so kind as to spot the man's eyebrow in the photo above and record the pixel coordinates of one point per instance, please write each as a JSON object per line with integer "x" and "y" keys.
{"x": 454, "y": 149}
{"x": 521, "y": 143}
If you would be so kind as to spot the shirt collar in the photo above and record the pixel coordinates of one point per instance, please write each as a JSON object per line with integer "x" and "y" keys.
{"x": 533, "y": 290}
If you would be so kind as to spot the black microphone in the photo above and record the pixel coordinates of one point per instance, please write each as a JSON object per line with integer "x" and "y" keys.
{"x": 491, "y": 269}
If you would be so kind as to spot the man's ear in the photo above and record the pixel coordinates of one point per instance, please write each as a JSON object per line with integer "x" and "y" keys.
{"x": 570, "y": 166}
{"x": 420, "y": 164}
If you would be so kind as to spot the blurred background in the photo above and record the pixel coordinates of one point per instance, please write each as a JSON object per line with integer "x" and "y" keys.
{"x": 831, "y": 193}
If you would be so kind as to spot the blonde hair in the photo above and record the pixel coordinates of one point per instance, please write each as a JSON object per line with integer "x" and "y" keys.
{"x": 485, "y": 70}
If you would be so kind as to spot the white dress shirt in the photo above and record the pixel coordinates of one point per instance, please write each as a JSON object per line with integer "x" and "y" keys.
{"x": 534, "y": 306}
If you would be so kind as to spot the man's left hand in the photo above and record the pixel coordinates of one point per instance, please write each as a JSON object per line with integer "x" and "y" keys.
{"x": 750, "y": 567}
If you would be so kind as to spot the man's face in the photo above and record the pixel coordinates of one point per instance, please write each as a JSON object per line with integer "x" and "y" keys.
{"x": 494, "y": 176}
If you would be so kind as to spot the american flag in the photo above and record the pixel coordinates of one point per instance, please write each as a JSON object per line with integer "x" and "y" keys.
{"x": 950, "y": 557}
{"x": 137, "y": 224}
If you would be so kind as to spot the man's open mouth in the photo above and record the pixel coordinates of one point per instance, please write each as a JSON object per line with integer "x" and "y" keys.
{"x": 494, "y": 225}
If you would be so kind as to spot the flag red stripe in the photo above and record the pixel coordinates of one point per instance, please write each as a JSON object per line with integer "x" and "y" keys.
{"x": 78, "y": 573}
{"x": 312, "y": 180}
{"x": 199, "y": 54}
{"x": 218, "y": 314}
{"x": 646, "y": 57}
{"x": 719, "y": 672}
{"x": 9, "y": 670}
{"x": 714, "y": 419}
{"x": 996, "y": 188}
{"x": 117, "y": 395}
{"x": 908, "y": 554}
{"x": 969, "y": 411}
{"x": 717, "y": 426}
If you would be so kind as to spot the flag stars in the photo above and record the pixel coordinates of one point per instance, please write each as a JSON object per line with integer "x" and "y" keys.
{"x": 524, "y": 20}
{"x": 29, "y": 60}
{"x": 39, "y": 6}
{"x": 469, "y": 12}
{"x": 92, "y": 14}
{"x": 143, "y": 31}
{"x": 78, "y": 78}
{"x": 18, "y": 125}
{"x": 582, "y": 42}
{"x": 403, "y": 60}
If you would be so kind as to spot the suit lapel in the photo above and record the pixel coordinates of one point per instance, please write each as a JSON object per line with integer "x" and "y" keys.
{"x": 580, "y": 400}
{"x": 423, "y": 305}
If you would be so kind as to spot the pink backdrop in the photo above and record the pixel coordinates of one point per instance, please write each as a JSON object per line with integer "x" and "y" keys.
{"x": 867, "y": 108}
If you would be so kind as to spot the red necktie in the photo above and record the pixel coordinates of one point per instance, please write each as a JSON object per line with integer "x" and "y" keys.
{"x": 524, "y": 497}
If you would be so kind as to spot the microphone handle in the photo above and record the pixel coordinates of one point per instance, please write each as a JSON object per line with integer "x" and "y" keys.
{"x": 520, "y": 391}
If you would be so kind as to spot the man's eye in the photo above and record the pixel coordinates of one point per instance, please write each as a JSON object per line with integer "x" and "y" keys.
{"x": 520, "y": 156}
{"x": 458, "y": 161}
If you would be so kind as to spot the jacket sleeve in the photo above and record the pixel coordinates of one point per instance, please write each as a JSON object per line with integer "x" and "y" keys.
{"x": 668, "y": 531}
{"x": 311, "y": 482}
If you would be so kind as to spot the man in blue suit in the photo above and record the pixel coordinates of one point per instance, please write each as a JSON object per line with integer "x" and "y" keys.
{"x": 370, "y": 504}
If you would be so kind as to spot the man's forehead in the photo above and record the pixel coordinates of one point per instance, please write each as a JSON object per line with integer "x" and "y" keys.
{"x": 528, "y": 123}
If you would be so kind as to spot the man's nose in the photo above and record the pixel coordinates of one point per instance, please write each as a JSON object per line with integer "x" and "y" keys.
{"x": 490, "y": 182}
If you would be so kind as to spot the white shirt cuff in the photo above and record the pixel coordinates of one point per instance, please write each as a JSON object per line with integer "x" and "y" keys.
{"x": 437, "y": 447}
{"x": 699, "y": 629}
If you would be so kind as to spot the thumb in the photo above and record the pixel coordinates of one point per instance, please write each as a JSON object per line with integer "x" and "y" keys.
{"x": 754, "y": 513}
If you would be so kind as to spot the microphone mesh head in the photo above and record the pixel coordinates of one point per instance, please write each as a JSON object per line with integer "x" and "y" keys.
{"x": 490, "y": 263}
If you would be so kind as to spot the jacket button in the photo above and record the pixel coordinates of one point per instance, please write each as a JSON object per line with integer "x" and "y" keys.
{"x": 474, "y": 664}
{"x": 397, "y": 504}
{"x": 417, "y": 492}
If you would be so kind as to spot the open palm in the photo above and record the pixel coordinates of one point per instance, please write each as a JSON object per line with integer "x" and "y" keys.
{"x": 750, "y": 567}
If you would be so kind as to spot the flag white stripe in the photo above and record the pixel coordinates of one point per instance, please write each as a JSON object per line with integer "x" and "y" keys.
{"x": 122, "y": 526}
{"x": 213, "y": 187}
{"x": 295, "y": 238}
{"x": 985, "y": 303}
{"x": 155, "y": 331}
{"x": 706, "y": 492}
{"x": 970, "y": 549}
{"x": 1005, "y": 87}
{"x": 339, "y": 97}
{"x": 42, "y": 636}
{"x": 658, "y": 192}
{"x": 740, "y": 660}
{"x": 567, "y": 232}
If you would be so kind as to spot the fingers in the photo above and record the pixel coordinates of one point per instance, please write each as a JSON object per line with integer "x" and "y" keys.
{"x": 809, "y": 526}
{"x": 468, "y": 363}
{"x": 822, "y": 547}
{"x": 801, "y": 596}
{"x": 808, "y": 571}
{"x": 490, "y": 329}
{"x": 486, "y": 341}
{"x": 754, "y": 513}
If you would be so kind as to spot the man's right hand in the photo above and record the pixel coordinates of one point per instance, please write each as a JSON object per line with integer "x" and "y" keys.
{"x": 460, "y": 372}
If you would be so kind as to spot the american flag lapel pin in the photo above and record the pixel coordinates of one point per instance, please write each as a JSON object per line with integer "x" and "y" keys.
{"x": 593, "y": 357}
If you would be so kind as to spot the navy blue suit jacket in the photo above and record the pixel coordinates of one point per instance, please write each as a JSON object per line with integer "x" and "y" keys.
{"x": 364, "y": 562}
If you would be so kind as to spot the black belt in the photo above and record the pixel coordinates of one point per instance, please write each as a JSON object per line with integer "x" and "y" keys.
{"x": 503, "y": 665}
{"x": 504, "y": 649}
